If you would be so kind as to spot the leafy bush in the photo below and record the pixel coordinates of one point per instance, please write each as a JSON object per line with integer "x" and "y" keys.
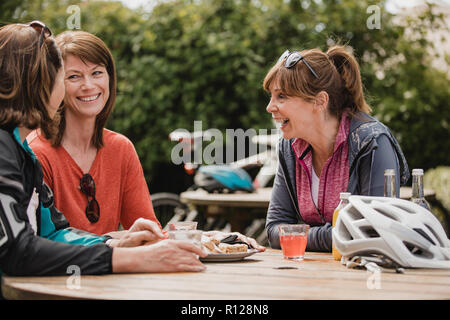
{"x": 438, "y": 179}
{"x": 206, "y": 59}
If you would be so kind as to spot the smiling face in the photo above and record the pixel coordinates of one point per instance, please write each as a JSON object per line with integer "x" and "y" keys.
{"x": 87, "y": 87}
{"x": 296, "y": 115}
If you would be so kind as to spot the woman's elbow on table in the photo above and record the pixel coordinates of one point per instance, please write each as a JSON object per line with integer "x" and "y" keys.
{"x": 273, "y": 236}
{"x": 319, "y": 238}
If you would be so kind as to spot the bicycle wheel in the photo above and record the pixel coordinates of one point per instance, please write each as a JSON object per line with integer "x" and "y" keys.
{"x": 168, "y": 207}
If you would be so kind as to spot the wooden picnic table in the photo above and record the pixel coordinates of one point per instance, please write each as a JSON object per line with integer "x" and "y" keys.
{"x": 262, "y": 276}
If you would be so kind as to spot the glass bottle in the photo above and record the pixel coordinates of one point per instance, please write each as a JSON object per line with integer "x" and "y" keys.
{"x": 344, "y": 200}
{"x": 417, "y": 189}
{"x": 389, "y": 183}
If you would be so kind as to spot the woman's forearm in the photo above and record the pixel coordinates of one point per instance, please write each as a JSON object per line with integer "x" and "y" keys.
{"x": 164, "y": 256}
{"x": 124, "y": 260}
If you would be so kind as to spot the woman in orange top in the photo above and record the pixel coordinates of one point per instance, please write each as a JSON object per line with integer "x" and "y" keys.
{"x": 95, "y": 173}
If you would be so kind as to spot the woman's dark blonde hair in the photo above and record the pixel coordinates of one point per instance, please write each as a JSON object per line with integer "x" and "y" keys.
{"x": 27, "y": 76}
{"x": 339, "y": 76}
{"x": 89, "y": 48}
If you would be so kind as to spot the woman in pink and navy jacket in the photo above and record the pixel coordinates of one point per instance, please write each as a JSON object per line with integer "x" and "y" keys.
{"x": 330, "y": 142}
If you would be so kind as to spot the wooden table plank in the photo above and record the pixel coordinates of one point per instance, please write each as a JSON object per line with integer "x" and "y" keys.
{"x": 257, "y": 277}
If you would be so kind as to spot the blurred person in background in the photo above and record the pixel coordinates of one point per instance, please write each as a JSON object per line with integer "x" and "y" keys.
{"x": 330, "y": 142}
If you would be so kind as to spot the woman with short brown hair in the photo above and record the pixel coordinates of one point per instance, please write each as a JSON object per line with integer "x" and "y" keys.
{"x": 95, "y": 173}
{"x": 330, "y": 142}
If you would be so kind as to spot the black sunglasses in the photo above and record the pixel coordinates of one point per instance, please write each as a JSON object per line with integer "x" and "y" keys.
{"x": 294, "y": 57}
{"x": 87, "y": 186}
{"x": 42, "y": 29}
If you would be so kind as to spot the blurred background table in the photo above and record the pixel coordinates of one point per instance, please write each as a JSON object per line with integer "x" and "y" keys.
{"x": 258, "y": 199}
{"x": 245, "y": 212}
{"x": 262, "y": 276}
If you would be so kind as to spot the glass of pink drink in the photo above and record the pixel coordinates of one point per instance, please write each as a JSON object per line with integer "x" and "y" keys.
{"x": 293, "y": 239}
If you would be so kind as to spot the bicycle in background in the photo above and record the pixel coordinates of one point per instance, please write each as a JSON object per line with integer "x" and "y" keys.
{"x": 244, "y": 175}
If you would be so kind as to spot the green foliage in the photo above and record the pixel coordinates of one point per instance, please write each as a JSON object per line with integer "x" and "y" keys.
{"x": 438, "y": 179}
{"x": 206, "y": 59}
{"x": 413, "y": 97}
{"x": 192, "y": 64}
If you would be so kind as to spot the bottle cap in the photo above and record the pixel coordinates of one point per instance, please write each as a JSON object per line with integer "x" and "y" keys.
{"x": 344, "y": 195}
{"x": 417, "y": 172}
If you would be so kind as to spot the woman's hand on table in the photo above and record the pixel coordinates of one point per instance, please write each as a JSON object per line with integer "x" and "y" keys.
{"x": 163, "y": 256}
{"x": 219, "y": 235}
{"x": 142, "y": 232}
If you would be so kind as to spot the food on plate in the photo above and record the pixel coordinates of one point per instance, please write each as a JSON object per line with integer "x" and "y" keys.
{"x": 212, "y": 245}
{"x": 233, "y": 248}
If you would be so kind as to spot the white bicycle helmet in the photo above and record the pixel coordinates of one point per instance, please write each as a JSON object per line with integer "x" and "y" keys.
{"x": 400, "y": 230}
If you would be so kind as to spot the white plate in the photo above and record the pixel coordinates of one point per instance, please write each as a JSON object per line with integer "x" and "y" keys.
{"x": 227, "y": 257}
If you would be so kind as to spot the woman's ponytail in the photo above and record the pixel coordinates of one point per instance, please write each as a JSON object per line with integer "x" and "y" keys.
{"x": 348, "y": 69}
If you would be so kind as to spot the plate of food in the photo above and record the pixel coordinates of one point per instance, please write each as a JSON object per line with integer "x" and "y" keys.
{"x": 224, "y": 252}
{"x": 228, "y": 257}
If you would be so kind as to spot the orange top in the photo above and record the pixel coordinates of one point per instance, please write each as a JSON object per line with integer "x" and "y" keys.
{"x": 120, "y": 186}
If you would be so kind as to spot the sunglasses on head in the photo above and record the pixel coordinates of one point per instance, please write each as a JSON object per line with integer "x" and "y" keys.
{"x": 294, "y": 57}
{"x": 87, "y": 186}
{"x": 42, "y": 29}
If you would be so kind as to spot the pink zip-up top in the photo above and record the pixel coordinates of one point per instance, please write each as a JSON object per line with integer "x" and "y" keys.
{"x": 333, "y": 178}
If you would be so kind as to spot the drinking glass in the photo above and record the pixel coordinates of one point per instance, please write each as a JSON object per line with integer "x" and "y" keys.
{"x": 194, "y": 236}
{"x": 293, "y": 240}
{"x": 183, "y": 225}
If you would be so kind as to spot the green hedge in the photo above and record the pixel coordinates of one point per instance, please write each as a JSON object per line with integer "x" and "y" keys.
{"x": 438, "y": 179}
{"x": 206, "y": 59}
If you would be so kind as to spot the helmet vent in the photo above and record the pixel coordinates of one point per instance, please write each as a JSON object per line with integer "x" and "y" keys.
{"x": 369, "y": 232}
{"x": 386, "y": 214}
{"x": 416, "y": 251}
{"x": 343, "y": 231}
{"x": 404, "y": 208}
{"x": 424, "y": 234}
{"x": 355, "y": 214}
{"x": 435, "y": 235}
